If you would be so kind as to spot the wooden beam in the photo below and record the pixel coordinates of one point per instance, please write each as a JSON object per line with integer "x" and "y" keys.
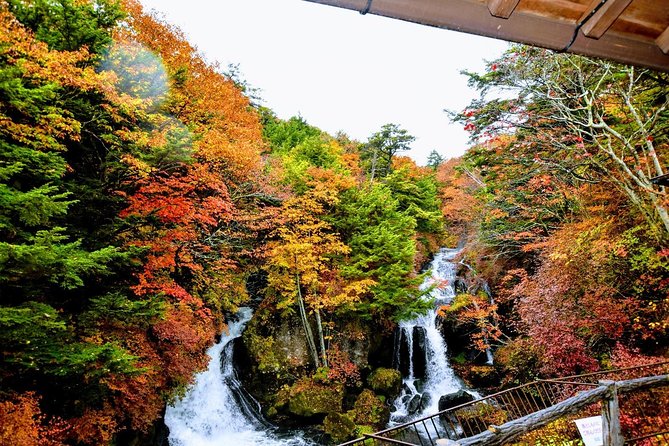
{"x": 502, "y": 8}
{"x": 604, "y": 18}
{"x": 663, "y": 41}
{"x": 642, "y": 383}
{"x": 589, "y": 10}
{"x": 510, "y": 431}
{"x": 662, "y": 180}
{"x": 611, "y": 431}
{"x": 473, "y": 17}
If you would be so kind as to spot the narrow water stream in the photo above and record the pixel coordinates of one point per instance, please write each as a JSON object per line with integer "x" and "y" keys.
{"x": 216, "y": 411}
{"x": 421, "y": 350}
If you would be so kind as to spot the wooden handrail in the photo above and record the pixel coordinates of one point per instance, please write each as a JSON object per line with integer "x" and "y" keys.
{"x": 606, "y": 391}
{"x": 498, "y": 435}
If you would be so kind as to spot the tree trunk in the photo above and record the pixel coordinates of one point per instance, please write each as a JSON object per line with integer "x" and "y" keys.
{"x": 319, "y": 327}
{"x": 662, "y": 212}
{"x": 305, "y": 322}
{"x": 374, "y": 160}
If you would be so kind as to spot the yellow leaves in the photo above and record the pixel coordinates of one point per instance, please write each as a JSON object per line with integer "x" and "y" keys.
{"x": 305, "y": 250}
{"x": 340, "y": 294}
{"x": 140, "y": 168}
{"x": 139, "y": 72}
{"x": 589, "y": 238}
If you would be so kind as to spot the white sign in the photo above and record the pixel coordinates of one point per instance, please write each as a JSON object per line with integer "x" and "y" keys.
{"x": 591, "y": 430}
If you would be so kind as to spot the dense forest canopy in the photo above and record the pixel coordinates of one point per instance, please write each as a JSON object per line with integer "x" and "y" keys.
{"x": 144, "y": 198}
{"x": 140, "y": 191}
{"x": 568, "y": 225}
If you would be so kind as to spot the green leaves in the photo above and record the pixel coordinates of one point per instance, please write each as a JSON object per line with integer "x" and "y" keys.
{"x": 37, "y": 206}
{"x": 46, "y": 258}
{"x": 382, "y": 249}
{"x": 29, "y": 322}
{"x": 116, "y": 307}
{"x": 35, "y": 337}
{"x": 68, "y": 24}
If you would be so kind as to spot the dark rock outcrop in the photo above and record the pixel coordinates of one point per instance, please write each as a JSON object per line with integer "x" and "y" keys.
{"x": 414, "y": 404}
{"x": 454, "y": 399}
{"x": 419, "y": 353}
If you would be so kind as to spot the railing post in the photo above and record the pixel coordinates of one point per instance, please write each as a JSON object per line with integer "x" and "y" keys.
{"x": 611, "y": 433}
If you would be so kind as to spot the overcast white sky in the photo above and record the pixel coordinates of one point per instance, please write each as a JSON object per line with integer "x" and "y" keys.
{"x": 338, "y": 69}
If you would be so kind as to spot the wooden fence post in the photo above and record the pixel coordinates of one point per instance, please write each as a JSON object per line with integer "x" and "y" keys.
{"x": 611, "y": 433}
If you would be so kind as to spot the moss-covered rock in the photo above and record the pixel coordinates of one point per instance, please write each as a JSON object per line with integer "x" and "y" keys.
{"x": 369, "y": 409}
{"x": 275, "y": 346}
{"x": 307, "y": 398}
{"x": 272, "y": 353}
{"x": 385, "y": 381}
{"x": 340, "y": 427}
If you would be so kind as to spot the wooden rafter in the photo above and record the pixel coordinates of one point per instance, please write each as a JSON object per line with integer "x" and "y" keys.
{"x": 602, "y": 20}
{"x": 663, "y": 41}
{"x": 473, "y": 16}
{"x": 502, "y": 8}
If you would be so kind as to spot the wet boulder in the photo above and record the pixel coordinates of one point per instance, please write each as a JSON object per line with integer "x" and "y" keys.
{"x": 419, "y": 384}
{"x": 414, "y": 404}
{"x": 425, "y": 401}
{"x": 402, "y": 358}
{"x": 454, "y": 399}
{"x": 419, "y": 352}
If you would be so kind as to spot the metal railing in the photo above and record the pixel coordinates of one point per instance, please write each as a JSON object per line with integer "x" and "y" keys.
{"x": 490, "y": 412}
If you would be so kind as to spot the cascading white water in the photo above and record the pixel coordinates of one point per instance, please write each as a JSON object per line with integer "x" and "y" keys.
{"x": 215, "y": 411}
{"x": 439, "y": 376}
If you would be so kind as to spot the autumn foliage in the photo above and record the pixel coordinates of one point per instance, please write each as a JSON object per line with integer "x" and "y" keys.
{"x": 565, "y": 224}
{"x": 123, "y": 153}
{"x": 143, "y": 197}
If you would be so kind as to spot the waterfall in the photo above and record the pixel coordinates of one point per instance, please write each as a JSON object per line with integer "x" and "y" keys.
{"x": 490, "y": 360}
{"x": 422, "y": 388}
{"x": 216, "y": 411}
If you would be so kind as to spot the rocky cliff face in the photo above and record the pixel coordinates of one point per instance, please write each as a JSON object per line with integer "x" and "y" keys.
{"x": 343, "y": 401}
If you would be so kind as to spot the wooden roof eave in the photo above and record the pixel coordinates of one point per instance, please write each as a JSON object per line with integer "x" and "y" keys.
{"x": 475, "y": 17}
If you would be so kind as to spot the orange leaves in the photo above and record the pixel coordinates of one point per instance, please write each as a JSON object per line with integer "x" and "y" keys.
{"x": 22, "y": 423}
{"x": 204, "y": 99}
{"x": 477, "y": 311}
{"x": 457, "y": 195}
{"x": 19, "y": 421}
{"x": 183, "y": 337}
{"x": 136, "y": 398}
{"x": 181, "y": 211}
{"x": 341, "y": 368}
{"x": 95, "y": 426}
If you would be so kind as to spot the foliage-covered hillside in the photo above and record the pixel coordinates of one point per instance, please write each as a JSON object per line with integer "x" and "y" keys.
{"x": 142, "y": 195}
{"x": 144, "y": 198}
{"x": 567, "y": 225}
